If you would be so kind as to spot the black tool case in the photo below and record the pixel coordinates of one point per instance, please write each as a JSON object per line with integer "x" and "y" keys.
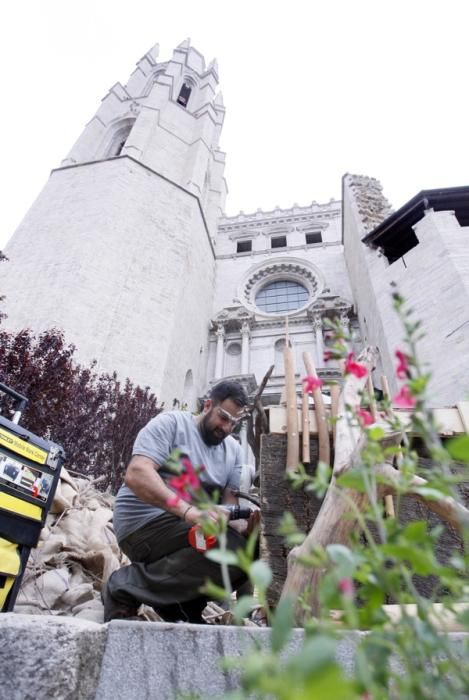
{"x": 29, "y": 474}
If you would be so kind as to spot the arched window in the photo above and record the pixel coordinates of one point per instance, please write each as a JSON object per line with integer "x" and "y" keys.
{"x": 184, "y": 94}
{"x": 119, "y": 138}
{"x": 188, "y": 395}
{"x": 282, "y": 296}
{"x": 278, "y": 348}
{"x": 233, "y": 359}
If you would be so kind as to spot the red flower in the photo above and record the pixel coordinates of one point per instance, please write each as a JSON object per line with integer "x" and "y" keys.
{"x": 346, "y": 588}
{"x": 327, "y": 356}
{"x": 364, "y": 417}
{"x": 402, "y": 370}
{"x": 404, "y": 398}
{"x": 310, "y": 384}
{"x": 355, "y": 368}
{"x": 184, "y": 484}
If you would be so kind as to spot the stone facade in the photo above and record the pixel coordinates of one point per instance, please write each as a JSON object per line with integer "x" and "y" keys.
{"x": 433, "y": 276}
{"x": 128, "y": 250}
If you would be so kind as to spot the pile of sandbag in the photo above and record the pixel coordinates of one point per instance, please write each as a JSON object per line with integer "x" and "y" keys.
{"x": 76, "y": 554}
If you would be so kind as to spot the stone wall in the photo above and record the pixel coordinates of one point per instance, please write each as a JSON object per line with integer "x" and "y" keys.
{"x": 432, "y": 277}
{"x": 47, "y": 658}
{"x": 121, "y": 260}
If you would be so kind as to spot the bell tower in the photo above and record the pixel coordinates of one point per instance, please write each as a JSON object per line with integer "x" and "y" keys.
{"x": 118, "y": 250}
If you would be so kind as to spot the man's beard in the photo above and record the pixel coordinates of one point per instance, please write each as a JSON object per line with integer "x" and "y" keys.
{"x": 211, "y": 436}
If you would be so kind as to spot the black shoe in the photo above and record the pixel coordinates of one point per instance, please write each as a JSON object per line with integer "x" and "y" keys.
{"x": 189, "y": 612}
{"x": 114, "y": 610}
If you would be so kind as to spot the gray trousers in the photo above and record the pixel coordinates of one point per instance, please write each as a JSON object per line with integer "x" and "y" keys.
{"x": 165, "y": 569}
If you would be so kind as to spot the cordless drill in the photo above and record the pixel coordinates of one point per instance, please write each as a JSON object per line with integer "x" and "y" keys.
{"x": 202, "y": 542}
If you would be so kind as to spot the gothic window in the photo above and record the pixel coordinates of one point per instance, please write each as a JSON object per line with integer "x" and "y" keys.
{"x": 282, "y": 296}
{"x": 244, "y": 246}
{"x": 313, "y": 238}
{"x": 278, "y": 242}
{"x": 119, "y": 139}
{"x": 184, "y": 94}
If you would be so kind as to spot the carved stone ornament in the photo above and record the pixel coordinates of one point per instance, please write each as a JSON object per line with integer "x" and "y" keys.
{"x": 232, "y": 318}
{"x": 135, "y": 108}
{"x": 330, "y": 306}
{"x": 283, "y": 269}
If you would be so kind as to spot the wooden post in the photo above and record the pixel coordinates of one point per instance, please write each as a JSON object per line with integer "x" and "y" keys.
{"x": 388, "y": 500}
{"x": 321, "y": 420}
{"x": 293, "y": 448}
{"x": 306, "y": 428}
{"x": 335, "y": 393}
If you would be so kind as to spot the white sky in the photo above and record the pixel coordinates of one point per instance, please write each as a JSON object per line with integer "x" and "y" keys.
{"x": 312, "y": 90}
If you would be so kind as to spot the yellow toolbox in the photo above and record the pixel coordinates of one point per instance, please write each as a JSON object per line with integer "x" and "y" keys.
{"x": 29, "y": 474}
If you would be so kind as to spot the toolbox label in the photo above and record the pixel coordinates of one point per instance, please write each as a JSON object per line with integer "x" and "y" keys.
{"x": 25, "y": 479}
{"x": 22, "y": 447}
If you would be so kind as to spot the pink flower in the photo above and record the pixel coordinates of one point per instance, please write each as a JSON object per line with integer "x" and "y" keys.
{"x": 310, "y": 384}
{"x": 355, "y": 368}
{"x": 402, "y": 370}
{"x": 346, "y": 588}
{"x": 364, "y": 417}
{"x": 404, "y": 398}
{"x": 327, "y": 356}
{"x": 191, "y": 476}
{"x": 185, "y": 483}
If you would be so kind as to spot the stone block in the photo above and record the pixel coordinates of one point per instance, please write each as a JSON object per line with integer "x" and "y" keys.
{"x": 168, "y": 661}
{"x": 45, "y": 657}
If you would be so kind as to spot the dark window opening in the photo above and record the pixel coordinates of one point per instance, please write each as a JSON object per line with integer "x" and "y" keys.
{"x": 279, "y": 242}
{"x": 184, "y": 94}
{"x": 244, "y": 246}
{"x": 120, "y": 147}
{"x": 397, "y": 248}
{"x": 313, "y": 238}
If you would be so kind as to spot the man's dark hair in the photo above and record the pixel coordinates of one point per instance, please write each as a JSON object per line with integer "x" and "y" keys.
{"x": 229, "y": 389}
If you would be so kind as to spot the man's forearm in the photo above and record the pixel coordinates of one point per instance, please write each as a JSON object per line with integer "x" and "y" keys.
{"x": 143, "y": 479}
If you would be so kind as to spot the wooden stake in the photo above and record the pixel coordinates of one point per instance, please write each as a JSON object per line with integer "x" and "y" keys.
{"x": 335, "y": 393}
{"x": 388, "y": 500}
{"x": 306, "y": 428}
{"x": 293, "y": 447}
{"x": 321, "y": 420}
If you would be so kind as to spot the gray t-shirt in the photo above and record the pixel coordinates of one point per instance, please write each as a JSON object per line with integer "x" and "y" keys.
{"x": 156, "y": 440}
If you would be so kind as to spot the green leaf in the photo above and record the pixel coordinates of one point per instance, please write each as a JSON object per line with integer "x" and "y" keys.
{"x": 222, "y": 556}
{"x": 243, "y": 607}
{"x": 260, "y": 574}
{"x": 416, "y": 531}
{"x": 376, "y": 434}
{"x": 214, "y": 592}
{"x": 352, "y": 479}
{"x": 459, "y": 448}
{"x": 423, "y": 562}
{"x": 244, "y": 562}
{"x": 282, "y": 624}
{"x": 344, "y": 559}
{"x": 428, "y": 492}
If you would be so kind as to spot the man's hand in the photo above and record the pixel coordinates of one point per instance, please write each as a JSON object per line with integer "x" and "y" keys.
{"x": 196, "y": 516}
{"x": 245, "y": 527}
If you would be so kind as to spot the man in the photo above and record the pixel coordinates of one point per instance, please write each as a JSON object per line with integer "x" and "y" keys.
{"x": 152, "y": 525}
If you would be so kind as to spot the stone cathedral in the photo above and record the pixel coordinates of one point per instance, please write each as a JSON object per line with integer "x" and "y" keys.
{"x": 127, "y": 249}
